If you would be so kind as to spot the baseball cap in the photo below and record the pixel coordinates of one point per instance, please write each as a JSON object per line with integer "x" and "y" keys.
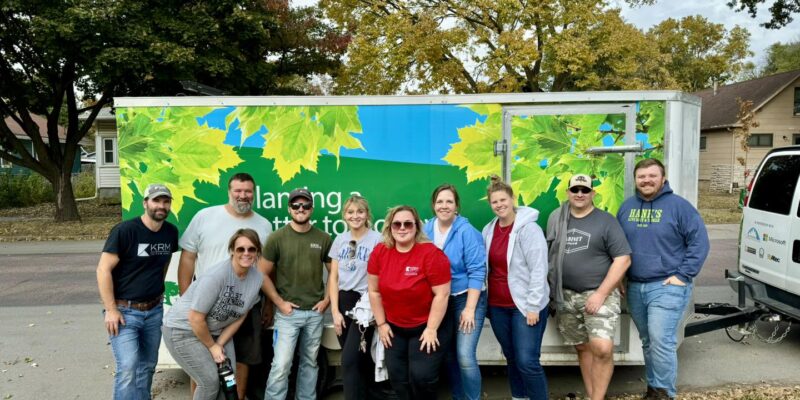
{"x": 580, "y": 180}
{"x": 300, "y": 192}
{"x": 155, "y": 190}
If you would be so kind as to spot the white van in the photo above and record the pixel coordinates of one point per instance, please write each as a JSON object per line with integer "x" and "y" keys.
{"x": 769, "y": 243}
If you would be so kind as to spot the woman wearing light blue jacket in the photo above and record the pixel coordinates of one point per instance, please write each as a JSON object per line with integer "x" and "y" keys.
{"x": 518, "y": 289}
{"x": 464, "y": 247}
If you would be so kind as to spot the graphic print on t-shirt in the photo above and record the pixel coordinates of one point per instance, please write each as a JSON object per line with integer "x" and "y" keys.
{"x": 353, "y": 252}
{"x": 154, "y": 249}
{"x": 577, "y": 240}
{"x": 229, "y": 306}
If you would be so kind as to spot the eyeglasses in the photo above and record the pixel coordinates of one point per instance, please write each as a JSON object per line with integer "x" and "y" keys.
{"x": 240, "y": 250}
{"x": 580, "y": 189}
{"x": 304, "y": 206}
{"x": 396, "y": 225}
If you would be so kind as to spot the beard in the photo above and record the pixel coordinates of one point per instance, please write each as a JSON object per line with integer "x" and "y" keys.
{"x": 241, "y": 207}
{"x": 157, "y": 214}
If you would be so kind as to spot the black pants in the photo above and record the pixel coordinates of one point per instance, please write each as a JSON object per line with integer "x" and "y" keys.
{"x": 358, "y": 369}
{"x": 414, "y": 374}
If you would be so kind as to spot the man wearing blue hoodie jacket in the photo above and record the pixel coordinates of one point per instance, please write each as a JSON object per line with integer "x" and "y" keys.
{"x": 669, "y": 243}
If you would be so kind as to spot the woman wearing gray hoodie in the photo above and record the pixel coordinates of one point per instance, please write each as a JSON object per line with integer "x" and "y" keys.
{"x": 518, "y": 289}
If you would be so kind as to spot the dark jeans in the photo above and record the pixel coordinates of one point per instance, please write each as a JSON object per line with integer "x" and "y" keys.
{"x": 358, "y": 369}
{"x": 414, "y": 373}
{"x": 522, "y": 347}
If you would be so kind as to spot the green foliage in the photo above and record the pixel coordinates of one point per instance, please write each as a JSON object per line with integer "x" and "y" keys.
{"x": 782, "y": 58}
{"x": 466, "y": 46}
{"x": 168, "y": 145}
{"x": 24, "y": 190}
{"x": 780, "y": 10}
{"x": 84, "y": 184}
{"x": 701, "y": 52}
{"x": 547, "y": 150}
{"x": 54, "y": 52}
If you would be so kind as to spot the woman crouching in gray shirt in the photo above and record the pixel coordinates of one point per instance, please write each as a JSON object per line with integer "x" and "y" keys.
{"x": 198, "y": 328}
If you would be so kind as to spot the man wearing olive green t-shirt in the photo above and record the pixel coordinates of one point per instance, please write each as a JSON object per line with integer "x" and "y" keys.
{"x": 297, "y": 252}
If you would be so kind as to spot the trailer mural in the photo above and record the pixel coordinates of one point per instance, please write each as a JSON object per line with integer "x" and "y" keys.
{"x": 390, "y": 154}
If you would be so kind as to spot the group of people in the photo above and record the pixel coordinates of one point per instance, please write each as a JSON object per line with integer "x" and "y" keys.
{"x": 412, "y": 298}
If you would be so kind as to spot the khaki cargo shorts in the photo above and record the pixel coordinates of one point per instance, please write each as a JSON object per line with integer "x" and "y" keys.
{"x": 578, "y": 327}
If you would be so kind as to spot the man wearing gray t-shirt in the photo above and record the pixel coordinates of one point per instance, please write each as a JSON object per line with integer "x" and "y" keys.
{"x": 588, "y": 256}
{"x": 205, "y": 245}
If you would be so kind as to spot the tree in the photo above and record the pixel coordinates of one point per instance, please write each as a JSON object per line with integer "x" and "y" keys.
{"x": 780, "y": 10}
{"x": 782, "y": 58}
{"x": 55, "y": 54}
{"x": 746, "y": 120}
{"x": 700, "y": 52}
{"x": 477, "y": 46}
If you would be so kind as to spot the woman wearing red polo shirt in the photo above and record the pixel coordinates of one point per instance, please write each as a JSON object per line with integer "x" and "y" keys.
{"x": 409, "y": 285}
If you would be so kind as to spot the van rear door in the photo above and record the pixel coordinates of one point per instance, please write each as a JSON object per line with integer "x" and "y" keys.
{"x": 770, "y": 221}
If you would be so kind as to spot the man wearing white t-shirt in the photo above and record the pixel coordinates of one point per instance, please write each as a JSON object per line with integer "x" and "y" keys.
{"x": 205, "y": 244}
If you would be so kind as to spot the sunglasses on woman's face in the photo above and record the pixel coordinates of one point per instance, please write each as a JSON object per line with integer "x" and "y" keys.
{"x": 396, "y": 225}
{"x": 304, "y": 206}
{"x": 580, "y": 189}
{"x": 240, "y": 250}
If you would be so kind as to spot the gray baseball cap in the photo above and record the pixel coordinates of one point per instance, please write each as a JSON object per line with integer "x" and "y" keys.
{"x": 155, "y": 190}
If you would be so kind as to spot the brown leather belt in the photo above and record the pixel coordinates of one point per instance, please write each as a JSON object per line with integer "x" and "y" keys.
{"x": 140, "y": 305}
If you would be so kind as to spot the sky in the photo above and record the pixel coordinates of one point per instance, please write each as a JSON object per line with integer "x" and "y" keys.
{"x": 715, "y": 11}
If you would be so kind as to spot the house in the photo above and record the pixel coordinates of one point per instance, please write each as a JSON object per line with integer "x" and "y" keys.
{"x": 9, "y": 167}
{"x": 776, "y": 105}
{"x": 106, "y": 167}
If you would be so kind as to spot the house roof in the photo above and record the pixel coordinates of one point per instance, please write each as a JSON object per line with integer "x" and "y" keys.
{"x": 17, "y": 130}
{"x": 719, "y": 110}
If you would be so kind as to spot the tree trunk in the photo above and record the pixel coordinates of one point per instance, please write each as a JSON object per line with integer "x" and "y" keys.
{"x": 66, "y": 206}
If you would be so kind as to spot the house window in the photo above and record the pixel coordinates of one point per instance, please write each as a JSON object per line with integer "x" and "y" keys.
{"x": 702, "y": 142}
{"x": 109, "y": 151}
{"x": 796, "y": 139}
{"x": 797, "y": 101}
{"x": 760, "y": 140}
{"x": 4, "y": 163}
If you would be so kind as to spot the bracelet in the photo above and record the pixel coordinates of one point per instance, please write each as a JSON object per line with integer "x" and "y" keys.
{"x": 381, "y": 324}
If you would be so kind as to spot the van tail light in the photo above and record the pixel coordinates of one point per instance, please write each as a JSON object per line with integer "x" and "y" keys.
{"x": 747, "y": 193}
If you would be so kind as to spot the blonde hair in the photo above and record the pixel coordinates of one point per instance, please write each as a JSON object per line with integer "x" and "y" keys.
{"x": 360, "y": 203}
{"x": 388, "y": 239}
{"x": 497, "y": 185}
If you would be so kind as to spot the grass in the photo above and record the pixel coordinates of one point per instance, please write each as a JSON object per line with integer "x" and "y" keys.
{"x": 35, "y": 223}
{"x": 719, "y": 208}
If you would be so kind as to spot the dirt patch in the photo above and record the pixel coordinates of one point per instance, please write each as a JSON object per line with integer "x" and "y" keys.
{"x": 719, "y": 208}
{"x": 36, "y": 223}
{"x": 735, "y": 392}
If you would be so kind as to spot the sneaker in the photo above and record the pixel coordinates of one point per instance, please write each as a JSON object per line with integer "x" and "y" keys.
{"x": 661, "y": 394}
{"x": 650, "y": 394}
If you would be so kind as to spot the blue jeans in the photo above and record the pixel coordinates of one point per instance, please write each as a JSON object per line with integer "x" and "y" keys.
{"x": 301, "y": 328}
{"x": 135, "y": 351}
{"x": 462, "y": 363}
{"x": 657, "y": 311}
{"x": 522, "y": 347}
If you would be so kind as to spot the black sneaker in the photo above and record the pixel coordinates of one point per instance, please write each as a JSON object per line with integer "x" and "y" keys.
{"x": 661, "y": 394}
{"x": 650, "y": 394}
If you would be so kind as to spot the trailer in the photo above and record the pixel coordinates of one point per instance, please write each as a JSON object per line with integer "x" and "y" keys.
{"x": 396, "y": 149}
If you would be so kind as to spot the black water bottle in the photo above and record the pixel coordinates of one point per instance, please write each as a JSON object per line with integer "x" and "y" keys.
{"x": 227, "y": 381}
